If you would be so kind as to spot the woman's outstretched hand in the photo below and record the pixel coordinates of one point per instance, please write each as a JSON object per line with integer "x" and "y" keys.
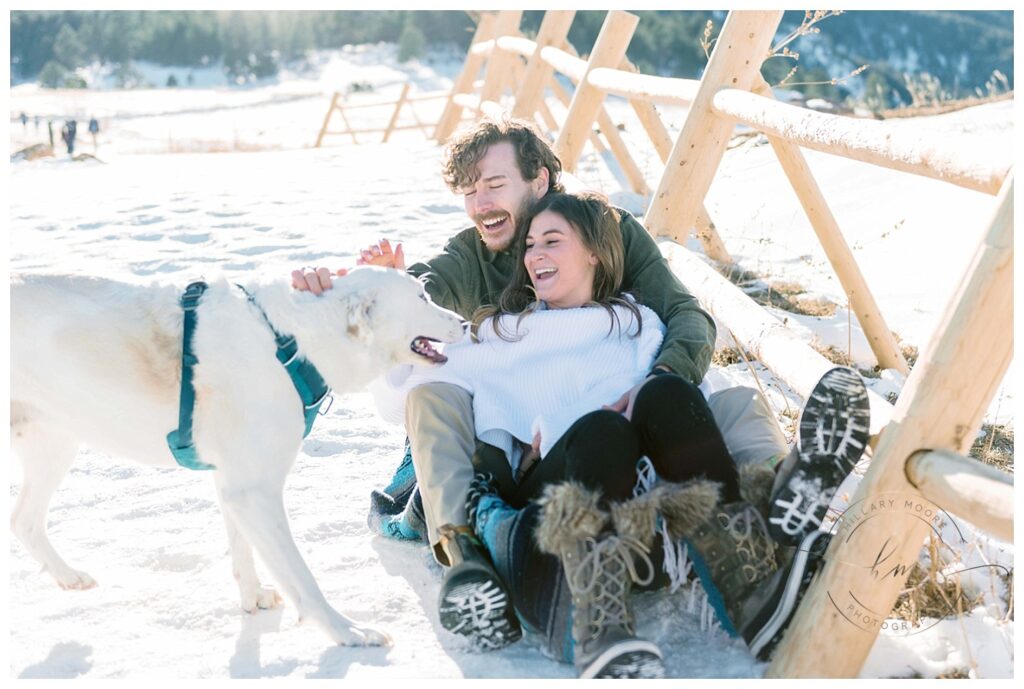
{"x": 381, "y": 254}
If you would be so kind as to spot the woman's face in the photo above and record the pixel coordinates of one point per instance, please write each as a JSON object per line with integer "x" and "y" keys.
{"x": 561, "y": 268}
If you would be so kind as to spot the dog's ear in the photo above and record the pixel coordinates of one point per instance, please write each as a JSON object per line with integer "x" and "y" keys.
{"x": 358, "y": 312}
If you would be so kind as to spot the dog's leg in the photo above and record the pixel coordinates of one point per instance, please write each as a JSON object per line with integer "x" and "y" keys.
{"x": 46, "y": 453}
{"x": 258, "y": 512}
{"x": 253, "y": 594}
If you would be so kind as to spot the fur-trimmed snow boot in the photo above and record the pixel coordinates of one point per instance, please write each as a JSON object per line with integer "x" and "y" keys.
{"x": 600, "y": 569}
{"x": 752, "y": 583}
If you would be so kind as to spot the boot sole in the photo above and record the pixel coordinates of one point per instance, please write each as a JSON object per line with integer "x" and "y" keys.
{"x": 479, "y": 611}
{"x": 632, "y": 659}
{"x": 833, "y": 432}
{"x": 800, "y": 574}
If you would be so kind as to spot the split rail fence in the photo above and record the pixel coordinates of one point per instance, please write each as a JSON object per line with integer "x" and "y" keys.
{"x": 918, "y": 445}
{"x": 338, "y": 105}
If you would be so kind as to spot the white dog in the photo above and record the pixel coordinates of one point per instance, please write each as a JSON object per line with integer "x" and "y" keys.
{"x": 98, "y": 361}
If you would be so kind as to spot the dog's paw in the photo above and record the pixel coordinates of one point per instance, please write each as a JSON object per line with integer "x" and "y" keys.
{"x": 355, "y": 635}
{"x": 368, "y": 636}
{"x": 73, "y": 580}
{"x": 263, "y": 598}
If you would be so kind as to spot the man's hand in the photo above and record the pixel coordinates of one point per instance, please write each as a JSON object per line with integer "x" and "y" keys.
{"x": 381, "y": 255}
{"x": 314, "y": 280}
{"x": 624, "y": 405}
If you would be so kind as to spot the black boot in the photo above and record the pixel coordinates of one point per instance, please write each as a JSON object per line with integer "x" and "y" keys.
{"x": 833, "y": 433}
{"x": 474, "y": 602}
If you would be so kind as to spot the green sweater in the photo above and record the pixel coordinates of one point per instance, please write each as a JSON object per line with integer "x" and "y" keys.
{"x": 467, "y": 275}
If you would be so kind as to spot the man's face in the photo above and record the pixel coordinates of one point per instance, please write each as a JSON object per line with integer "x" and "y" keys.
{"x": 500, "y": 195}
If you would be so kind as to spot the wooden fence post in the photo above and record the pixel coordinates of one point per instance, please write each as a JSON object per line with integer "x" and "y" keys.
{"x": 881, "y": 339}
{"x": 735, "y": 62}
{"x": 609, "y": 49}
{"x": 940, "y": 407}
{"x": 705, "y": 229}
{"x": 452, "y": 112}
{"x": 530, "y": 94}
{"x": 499, "y": 65}
{"x": 327, "y": 119}
{"x": 395, "y": 114}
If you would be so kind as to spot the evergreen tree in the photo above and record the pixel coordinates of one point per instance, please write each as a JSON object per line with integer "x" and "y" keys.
{"x": 52, "y": 75}
{"x": 67, "y": 48}
{"x": 410, "y": 43}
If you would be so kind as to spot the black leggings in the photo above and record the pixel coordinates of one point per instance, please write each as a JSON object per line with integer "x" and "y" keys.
{"x": 671, "y": 424}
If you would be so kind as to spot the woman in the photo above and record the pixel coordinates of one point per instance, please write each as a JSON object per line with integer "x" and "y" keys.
{"x": 562, "y": 342}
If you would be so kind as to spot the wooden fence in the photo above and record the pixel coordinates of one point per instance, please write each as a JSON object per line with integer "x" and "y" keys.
{"x": 339, "y": 106}
{"x": 918, "y": 445}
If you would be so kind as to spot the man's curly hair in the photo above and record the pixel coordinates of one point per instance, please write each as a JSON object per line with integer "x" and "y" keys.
{"x": 467, "y": 147}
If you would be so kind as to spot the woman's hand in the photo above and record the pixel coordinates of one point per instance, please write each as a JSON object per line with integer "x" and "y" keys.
{"x": 381, "y": 255}
{"x": 624, "y": 405}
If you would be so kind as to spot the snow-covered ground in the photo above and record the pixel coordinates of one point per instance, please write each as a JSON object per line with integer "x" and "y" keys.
{"x": 153, "y": 538}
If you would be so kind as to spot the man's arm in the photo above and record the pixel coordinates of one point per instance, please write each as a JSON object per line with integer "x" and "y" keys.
{"x": 436, "y": 274}
{"x": 690, "y": 338}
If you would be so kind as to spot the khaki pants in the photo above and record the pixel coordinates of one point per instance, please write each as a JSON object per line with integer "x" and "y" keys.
{"x": 439, "y": 421}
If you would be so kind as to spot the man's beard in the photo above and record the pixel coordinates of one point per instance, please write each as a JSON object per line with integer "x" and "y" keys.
{"x": 506, "y": 244}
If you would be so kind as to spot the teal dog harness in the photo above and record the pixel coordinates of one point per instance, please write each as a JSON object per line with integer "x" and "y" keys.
{"x": 307, "y": 380}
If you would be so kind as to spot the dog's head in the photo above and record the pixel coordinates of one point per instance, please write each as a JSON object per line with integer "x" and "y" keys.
{"x": 389, "y": 313}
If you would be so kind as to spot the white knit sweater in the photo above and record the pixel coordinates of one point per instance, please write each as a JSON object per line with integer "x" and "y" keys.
{"x": 565, "y": 365}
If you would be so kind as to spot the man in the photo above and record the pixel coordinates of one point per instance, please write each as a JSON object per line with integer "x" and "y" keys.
{"x": 501, "y": 168}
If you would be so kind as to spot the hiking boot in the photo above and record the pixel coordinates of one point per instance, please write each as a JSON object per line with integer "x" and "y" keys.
{"x": 474, "y": 602}
{"x": 600, "y": 568}
{"x": 833, "y": 432}
{"x": 769, "y": 612}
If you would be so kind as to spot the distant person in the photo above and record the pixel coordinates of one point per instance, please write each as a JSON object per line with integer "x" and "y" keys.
{"x": 36, "y": 120}
{"x": 24, "y": 120}
{"x": 49, "y": 129}
{"x": 94, "y": 128}
{"x": 68, "y": 133}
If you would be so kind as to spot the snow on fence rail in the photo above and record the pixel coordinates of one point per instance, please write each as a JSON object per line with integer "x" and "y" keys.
{"x": 919, "y": 443}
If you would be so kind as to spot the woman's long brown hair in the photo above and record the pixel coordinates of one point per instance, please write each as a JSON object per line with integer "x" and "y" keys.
{"x": 597, "y": 225}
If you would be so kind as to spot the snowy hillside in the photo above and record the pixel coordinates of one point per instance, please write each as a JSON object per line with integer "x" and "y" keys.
{"x": 244, "y": 194}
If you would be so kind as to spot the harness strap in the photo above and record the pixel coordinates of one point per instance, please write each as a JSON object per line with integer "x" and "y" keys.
{"x": 308, "y": 382}
{"x": 180, "y": 440}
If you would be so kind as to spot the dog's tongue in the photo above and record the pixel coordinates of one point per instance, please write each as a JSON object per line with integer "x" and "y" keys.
{"x": 421, "y": 345}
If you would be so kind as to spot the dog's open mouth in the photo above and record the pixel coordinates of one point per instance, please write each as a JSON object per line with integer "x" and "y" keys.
{"x": 422, "y": 346}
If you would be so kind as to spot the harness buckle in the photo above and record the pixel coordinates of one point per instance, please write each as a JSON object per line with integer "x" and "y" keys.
{"x": 330, "y": 400}
{"x": 193, "y": 293}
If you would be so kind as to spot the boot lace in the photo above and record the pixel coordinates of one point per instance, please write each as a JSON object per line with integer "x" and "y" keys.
{"x": 604, "y": 574}
{"x": 752, "y": 542}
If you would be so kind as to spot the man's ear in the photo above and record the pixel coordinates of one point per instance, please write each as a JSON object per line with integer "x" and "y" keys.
{"x": 541, "y": 181}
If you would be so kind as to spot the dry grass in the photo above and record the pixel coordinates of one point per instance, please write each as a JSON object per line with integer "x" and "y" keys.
{"x": 995, "y": 447}
{"x": 925, "y": 597}
{"x": 788, "y": 296}
{"x": 726, "y": 356}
